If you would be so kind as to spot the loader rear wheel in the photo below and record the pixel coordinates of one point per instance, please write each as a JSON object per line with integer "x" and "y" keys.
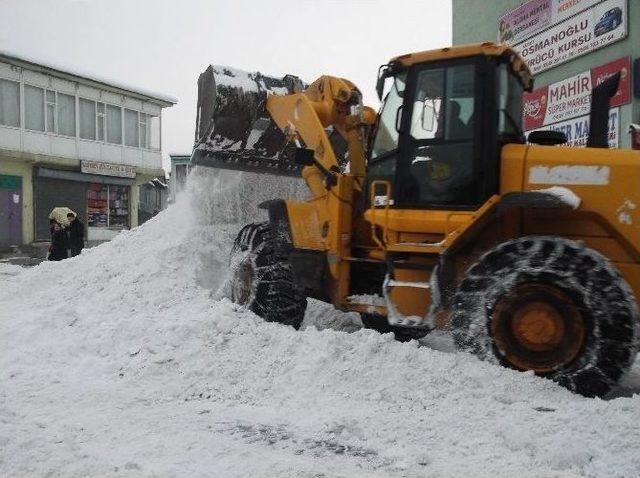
{"x": 553, "y": 306}
{"x": 262, "y": 280}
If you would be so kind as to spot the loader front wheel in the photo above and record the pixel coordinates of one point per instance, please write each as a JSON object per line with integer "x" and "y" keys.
{"x": 553, "y": 306}
{"x": 262, "y": 279}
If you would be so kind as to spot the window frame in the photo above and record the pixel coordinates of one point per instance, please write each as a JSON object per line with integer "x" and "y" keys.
{"x": 95, "y": 119}
{"x": 408, "y": 144}
{"x": 47, "y": 103}
{"x": 20, "y": 101}
{"x": 400, "y": 110}
{"x": 44, "y": 107}
{"x": 56, "y": 111}
{"x": 109, "y": 226}
{"x": 75, "y": 114}
{"x": 101, "y": 116}
{"x": 106, "y": 116}
{"x": 124, "y": 126}
{"x": 143, "y": 142}
{"x": 149, "y": 128}
{"x": 144, "y": 120}
{"x": 444, "y": 107}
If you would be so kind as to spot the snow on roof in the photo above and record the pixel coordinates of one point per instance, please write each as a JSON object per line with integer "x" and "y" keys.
{"x": 88, "y": 75}
{"x": 159, "y": 182}
{"x": 155, "y": 182}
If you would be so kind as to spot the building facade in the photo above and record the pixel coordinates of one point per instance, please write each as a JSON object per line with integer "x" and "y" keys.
{"x": 154, "y": 195}
{"x": 69, "y": 139}
{"x": 180, "y": 168}
{"x": 570, "y": 46}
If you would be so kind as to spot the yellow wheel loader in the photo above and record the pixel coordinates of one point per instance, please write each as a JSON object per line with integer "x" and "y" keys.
{"x": 436, "y": 212}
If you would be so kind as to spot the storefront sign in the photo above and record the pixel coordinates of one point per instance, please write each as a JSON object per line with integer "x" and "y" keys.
{"x": 597, "y": 27}
{"x": 572, "y": 97}
{"x": 524, "y": 21}
{"x": 107, "y": 169}
{"x": 536, "y": 15}
{"x": 577, "y": 129}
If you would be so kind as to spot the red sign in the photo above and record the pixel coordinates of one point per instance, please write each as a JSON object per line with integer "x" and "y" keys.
{"x": 571, "y": 98}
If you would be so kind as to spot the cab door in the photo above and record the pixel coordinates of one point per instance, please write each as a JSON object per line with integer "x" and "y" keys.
{"x": 441, "y": 145}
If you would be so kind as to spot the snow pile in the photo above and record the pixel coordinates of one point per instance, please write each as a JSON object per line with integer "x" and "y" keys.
{"x": 7, "y": 269}
{"x": 120, "y": 362}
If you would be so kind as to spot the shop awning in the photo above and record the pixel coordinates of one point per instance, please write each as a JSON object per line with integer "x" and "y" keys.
{"x": 87, "y": 178}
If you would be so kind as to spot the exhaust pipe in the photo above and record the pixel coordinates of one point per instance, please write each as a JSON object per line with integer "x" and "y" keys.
{"x": 599, "y": 115}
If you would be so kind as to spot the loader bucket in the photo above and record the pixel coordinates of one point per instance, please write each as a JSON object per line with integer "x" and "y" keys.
{"x": 234, "y": 129}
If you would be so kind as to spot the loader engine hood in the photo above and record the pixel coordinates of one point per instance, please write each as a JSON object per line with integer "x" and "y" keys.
{"x": 233, "y": 128}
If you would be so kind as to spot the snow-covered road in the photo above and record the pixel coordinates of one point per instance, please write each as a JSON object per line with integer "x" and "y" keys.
{"x": 120, "y": 362}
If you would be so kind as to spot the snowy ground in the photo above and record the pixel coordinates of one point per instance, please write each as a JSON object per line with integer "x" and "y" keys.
{"x": 120, "y": 362}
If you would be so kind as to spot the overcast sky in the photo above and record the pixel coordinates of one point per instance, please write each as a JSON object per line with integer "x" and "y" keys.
{"x": 163, "y": 45}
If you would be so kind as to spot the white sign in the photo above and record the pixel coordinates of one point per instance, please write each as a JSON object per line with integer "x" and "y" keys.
{"x": 577, "y": 129}
{"x": 597, "y": 27}
{"x": 570, "y": 174}
{"x": 533, "y": 16}
{"x": 107, "y": 169}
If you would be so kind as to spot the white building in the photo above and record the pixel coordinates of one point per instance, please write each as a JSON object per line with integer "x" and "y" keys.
{"x": 72, "y": 139}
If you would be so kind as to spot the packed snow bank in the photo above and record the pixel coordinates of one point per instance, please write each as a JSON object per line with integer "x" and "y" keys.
{"x": 7, "y": 269}
{"x": 120, "y": 362}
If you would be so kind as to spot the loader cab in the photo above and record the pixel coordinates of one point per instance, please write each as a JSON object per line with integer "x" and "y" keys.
{"x": 441, "y": 128}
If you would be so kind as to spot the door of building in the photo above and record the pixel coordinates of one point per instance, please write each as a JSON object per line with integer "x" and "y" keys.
{"x": 10, "y": 211}
{"x": 50, "y": 193}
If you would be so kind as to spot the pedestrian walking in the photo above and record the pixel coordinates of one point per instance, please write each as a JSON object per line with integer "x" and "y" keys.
{"x": 75, "y": 231}
{"x": 58, "y": 248}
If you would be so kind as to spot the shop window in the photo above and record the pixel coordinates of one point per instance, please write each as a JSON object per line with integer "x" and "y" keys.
{"x": 131, "y": 126}
{"x": 66, "y": 114}
{"x": 87, "y": 119}
{"x": 9, "y": 103}
{"x": 114, "y": 124}
{"x": 100, "y": 120}
{"x": 118, "y": 206}
{"x": 98, "y": 205}
{"x": 33, "y": 108}
{"x": 108, "y": 206}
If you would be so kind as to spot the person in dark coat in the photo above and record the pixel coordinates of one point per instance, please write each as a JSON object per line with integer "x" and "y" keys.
{"x": 51, "y": 223}
{"x": 58, "y": 248}
{"x": 76, "y": 234}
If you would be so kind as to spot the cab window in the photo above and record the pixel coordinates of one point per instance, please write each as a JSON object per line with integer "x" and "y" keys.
{"x": 441, "y": 160}
{"x": 387, "y": 135}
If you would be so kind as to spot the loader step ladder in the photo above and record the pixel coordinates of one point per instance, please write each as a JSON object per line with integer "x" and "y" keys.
{"x": 402, "y": 275}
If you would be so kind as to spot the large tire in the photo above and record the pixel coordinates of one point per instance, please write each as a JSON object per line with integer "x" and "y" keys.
{"x": 262, "y": 279}
{"x": 550, "y": 305}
